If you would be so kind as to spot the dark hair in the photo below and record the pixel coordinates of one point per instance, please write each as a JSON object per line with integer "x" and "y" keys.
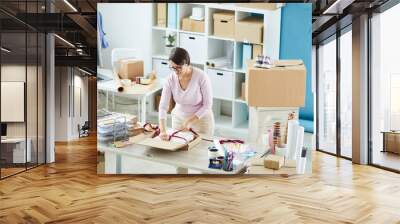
{"x": 179, "y": 56}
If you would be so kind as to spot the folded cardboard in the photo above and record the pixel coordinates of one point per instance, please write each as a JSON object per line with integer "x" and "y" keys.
{"x": 224, "y": 24}
{"x": 130, "y": 69}
{"x": 250, "y": 30}
{"x": 162, "y": 14}
{"x": 274, "y": 162}
{"x": 192, "y": 25}
{"x": 281, "y": 86}
{"x": 157, "y": 103}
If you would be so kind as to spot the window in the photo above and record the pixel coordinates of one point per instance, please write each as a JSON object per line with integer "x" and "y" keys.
{"x": 327, "y": 97}
{"x": 385, "y": 89}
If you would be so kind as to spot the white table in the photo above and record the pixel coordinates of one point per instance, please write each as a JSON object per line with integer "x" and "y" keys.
{"x": 193, "y": 159}
{"x": 19, "y": 149}
{"x": 139, "y": 92}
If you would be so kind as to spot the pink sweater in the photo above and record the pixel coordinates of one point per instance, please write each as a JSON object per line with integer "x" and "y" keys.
{"x": 196, "y": 99}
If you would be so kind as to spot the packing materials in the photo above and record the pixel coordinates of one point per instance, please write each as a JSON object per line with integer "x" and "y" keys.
{"x": 281, "y": 86}
{"x": 257, "y": 50}
{"x": 274, "y": 162}
{"x": 301, "y": 161}
{"x": 162, "y": 14}
{"x": 295, "y": 140}
{"x": 292, "y": 138}
{"x": 224, "y": 24}
{"x": 250, "y": 30}
{"x": 197, "y": 13}
{"x": 172, "y": 13}
{"x": 130, "y": 69}
{"x": 192, "y": 25}
{"x": 247, "y": 53}
{"x": 261, "y": 120}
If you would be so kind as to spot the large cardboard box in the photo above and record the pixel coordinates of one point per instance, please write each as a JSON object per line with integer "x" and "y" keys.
{"x": 130, "y": 68}
{"x": 224, "y": 24}
{"x": 193, "y": 25}
{"x": 162, "y": 14}
{"x": 250, "y": 30}
{"x": 280, "y": 86}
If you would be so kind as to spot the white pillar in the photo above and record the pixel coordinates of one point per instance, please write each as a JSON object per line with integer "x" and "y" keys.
{"x": 50, "y": 99}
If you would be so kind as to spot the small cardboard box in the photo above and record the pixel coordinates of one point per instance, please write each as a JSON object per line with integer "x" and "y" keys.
{"x": 193, "y": 25}
{"x": 224, "y": 24}
{"x": 250, "y": 30}
{"x": 280, "y": 86}
{"x": 130, "y": 69}
{"x": 274, "y": 162}
{"x": 162, "y": 14}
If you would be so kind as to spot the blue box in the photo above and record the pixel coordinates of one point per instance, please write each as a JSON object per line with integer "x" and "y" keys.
{"x": 172, "y": 17}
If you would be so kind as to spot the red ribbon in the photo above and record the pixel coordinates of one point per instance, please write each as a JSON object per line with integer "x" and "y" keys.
{"x": 176, "y": 132}
{"x": 231, "y": 141}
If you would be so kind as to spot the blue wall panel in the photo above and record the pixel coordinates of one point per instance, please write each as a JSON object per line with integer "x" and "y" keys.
{"x": 296, "y": 37}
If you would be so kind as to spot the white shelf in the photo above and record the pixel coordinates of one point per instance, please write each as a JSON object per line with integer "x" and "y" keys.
{"x": 160, "y": 56}
{"x": 223, "y": 121}
{"x": 194, "y": 33}
{"x": 231, "y": 114}
{"x": 221, "y": 38}
{"x": 164, "y": 29}
{"x": 240, "y": 101}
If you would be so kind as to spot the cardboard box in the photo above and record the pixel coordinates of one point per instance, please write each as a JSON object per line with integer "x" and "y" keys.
{"x": 263, "y": 6}
{"x": 257, "y": 50}
{"x": 281, "y": 86}
{"x": 157, "y": 103}
{"x": 130, "y": 69}
{"x": 274, "y": 162}
{"x": 224, "y": 24}
{"x": 193, "y": 25}
{"x": 162, "y": 14}
{"x": 250, "y": 30}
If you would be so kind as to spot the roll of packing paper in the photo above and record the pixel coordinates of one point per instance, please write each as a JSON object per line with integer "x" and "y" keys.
{"x": 299, "y": 142}
{"x": 291, "y": 139}
{"x": 301, "y": 162}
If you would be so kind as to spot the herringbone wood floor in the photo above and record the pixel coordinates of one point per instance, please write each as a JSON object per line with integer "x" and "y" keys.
{"x": 69, "y": 191}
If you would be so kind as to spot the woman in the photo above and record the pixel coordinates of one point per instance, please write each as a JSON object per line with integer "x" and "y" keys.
{"x": 191, "y": 90}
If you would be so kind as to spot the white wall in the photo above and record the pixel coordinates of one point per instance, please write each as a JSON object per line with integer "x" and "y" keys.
{"x": 67, "y": 86}
{"x": 127, "y": 26}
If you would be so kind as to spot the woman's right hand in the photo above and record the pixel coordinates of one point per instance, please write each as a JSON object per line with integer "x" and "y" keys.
{"x": 164, "y": 136}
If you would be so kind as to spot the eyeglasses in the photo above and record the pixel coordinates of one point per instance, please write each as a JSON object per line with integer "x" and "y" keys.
{"x": 176, "y": 69}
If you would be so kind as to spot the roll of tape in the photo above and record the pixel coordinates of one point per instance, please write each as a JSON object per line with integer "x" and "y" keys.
{"x": 212, "y": 153}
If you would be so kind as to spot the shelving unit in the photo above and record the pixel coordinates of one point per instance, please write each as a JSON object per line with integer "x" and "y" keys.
{"x": 230, "y": 111}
